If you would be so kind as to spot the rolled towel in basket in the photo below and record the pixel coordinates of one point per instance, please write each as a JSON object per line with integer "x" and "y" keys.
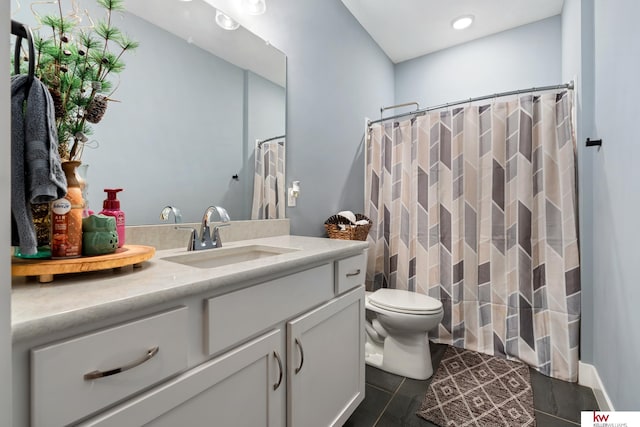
{"x": 349, "y": 215}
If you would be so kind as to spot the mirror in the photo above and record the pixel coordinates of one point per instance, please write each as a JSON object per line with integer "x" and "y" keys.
{"x": 189, "y": 107}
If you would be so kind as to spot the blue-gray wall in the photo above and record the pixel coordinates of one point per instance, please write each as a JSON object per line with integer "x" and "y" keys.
{"x": 336, "y": 76}
{"x": 522, "y": 57}
{"x": 577, "y": 64}
{"x": 600, "y": 49}
{"x": 616, "y": 202}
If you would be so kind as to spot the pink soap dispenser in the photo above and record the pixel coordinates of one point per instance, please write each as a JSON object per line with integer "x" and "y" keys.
{"x": 111, "y": 207}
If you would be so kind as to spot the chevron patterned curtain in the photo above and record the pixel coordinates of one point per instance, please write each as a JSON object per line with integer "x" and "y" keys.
{"x": 476, "y": 207}
{"x": 269, "y": 182}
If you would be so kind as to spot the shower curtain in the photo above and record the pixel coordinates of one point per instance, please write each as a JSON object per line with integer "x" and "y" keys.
{"x": 269, "y": 181}
{"x": 476, "y": 207}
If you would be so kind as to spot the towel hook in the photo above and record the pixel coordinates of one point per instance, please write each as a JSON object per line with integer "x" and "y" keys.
{"x": 593, "y": 142}
{"x": 22, "y": 31}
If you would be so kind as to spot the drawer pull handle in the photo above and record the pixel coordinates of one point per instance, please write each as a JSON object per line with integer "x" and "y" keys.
{"x": 301, "y": 356}
{"x": 276, "y": 385}
{"x": 99, "y": 374}
{"x": 355, "y": 273}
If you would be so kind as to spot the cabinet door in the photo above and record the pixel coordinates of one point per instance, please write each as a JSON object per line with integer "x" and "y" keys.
{"x": 325, "y": 362}
{"x": 243, "y": 387}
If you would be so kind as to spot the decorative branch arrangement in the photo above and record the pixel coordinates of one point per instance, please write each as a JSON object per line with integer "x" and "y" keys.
{"x": 76, "y": 63}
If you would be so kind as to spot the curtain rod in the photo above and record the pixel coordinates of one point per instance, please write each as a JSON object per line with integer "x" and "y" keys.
{"x": 479, "y": 98}
{"x": 270, "y": 139}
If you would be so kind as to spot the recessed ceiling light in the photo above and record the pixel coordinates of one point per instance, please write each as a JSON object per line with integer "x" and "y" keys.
{"x": 226, "y": 22}
{"x": 255, "y": 7}
{"x": 462, "y": 22}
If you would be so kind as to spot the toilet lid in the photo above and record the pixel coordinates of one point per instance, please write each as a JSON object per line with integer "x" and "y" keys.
{"x": 404, "y": 301}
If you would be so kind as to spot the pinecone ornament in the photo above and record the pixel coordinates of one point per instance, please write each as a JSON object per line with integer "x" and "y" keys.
{"x": 96, "y": 109}
{"x": 57, "y": 102}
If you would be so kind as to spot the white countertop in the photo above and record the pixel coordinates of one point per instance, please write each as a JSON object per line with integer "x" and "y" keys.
{"x": 71, "y": 300}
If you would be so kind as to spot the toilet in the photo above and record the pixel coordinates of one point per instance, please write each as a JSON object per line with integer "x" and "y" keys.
{"x": 396, "y": 331}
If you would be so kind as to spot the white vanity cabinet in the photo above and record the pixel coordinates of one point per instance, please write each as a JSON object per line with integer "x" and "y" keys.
{"x": 288, "y": 351}
{"x": 244, "y": 387}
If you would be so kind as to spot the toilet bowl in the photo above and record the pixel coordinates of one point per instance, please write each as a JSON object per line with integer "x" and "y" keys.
{"x": 396, "y": 331}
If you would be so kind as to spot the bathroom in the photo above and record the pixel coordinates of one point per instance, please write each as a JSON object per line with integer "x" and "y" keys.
{"x": 337, "y": 75}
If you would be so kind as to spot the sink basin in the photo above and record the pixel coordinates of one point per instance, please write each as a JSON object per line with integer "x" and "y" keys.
{"x": 211, "y": 258}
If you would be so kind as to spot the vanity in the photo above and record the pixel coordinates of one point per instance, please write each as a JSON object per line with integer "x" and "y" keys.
{"x": 266, "y": 332}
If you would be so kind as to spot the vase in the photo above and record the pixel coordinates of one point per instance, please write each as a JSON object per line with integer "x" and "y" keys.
{"x": 81, "y": 175}
{"x": 66, "y": 217}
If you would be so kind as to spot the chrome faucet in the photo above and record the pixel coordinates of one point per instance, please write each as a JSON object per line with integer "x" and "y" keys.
{"x": 166, "y": 211}
{"x": 208, "y": 240}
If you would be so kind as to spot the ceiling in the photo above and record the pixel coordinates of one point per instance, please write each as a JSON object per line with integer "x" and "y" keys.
{"x": 406, "y": 29}
{"x": 194, "y": 22}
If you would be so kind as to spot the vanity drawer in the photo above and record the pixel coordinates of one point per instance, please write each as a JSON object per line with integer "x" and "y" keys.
{"x": 58, "y": 371}
{"x": 350, "y": 272}
{"x": 239, "y": 315}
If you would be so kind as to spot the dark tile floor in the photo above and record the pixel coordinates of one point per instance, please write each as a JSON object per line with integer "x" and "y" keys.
{"x": 391, "y": 400}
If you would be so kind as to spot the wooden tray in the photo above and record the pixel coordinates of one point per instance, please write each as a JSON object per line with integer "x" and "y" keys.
{"x": 45, "y": 269}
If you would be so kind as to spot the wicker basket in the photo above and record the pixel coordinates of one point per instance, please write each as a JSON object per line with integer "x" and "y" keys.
{"x": 350, "y": 232}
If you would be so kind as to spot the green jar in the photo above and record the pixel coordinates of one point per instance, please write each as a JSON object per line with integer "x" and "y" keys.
{"x": 99, "y": 235}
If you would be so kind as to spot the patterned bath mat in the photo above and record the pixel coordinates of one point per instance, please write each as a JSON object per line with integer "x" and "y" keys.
{"x": 475, "y": 389}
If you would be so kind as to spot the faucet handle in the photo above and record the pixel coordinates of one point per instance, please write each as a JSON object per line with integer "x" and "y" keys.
{"x": 184, "y": 227}
{"x": 217, "y": 241}
{"x": 193, "y": 238}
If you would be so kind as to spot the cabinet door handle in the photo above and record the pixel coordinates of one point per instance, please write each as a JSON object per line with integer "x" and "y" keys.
{"x": 99, "y": 374}
{"x": 301, "y": 356}
{"x": 355, "y": 273}
{"x": 276, "y": 385}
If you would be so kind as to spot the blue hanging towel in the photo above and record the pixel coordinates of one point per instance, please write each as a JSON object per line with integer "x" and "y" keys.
{"x": 36, "y": 170}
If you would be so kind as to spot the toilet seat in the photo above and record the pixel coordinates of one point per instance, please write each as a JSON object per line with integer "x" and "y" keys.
{"x": 401, "y": 301}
